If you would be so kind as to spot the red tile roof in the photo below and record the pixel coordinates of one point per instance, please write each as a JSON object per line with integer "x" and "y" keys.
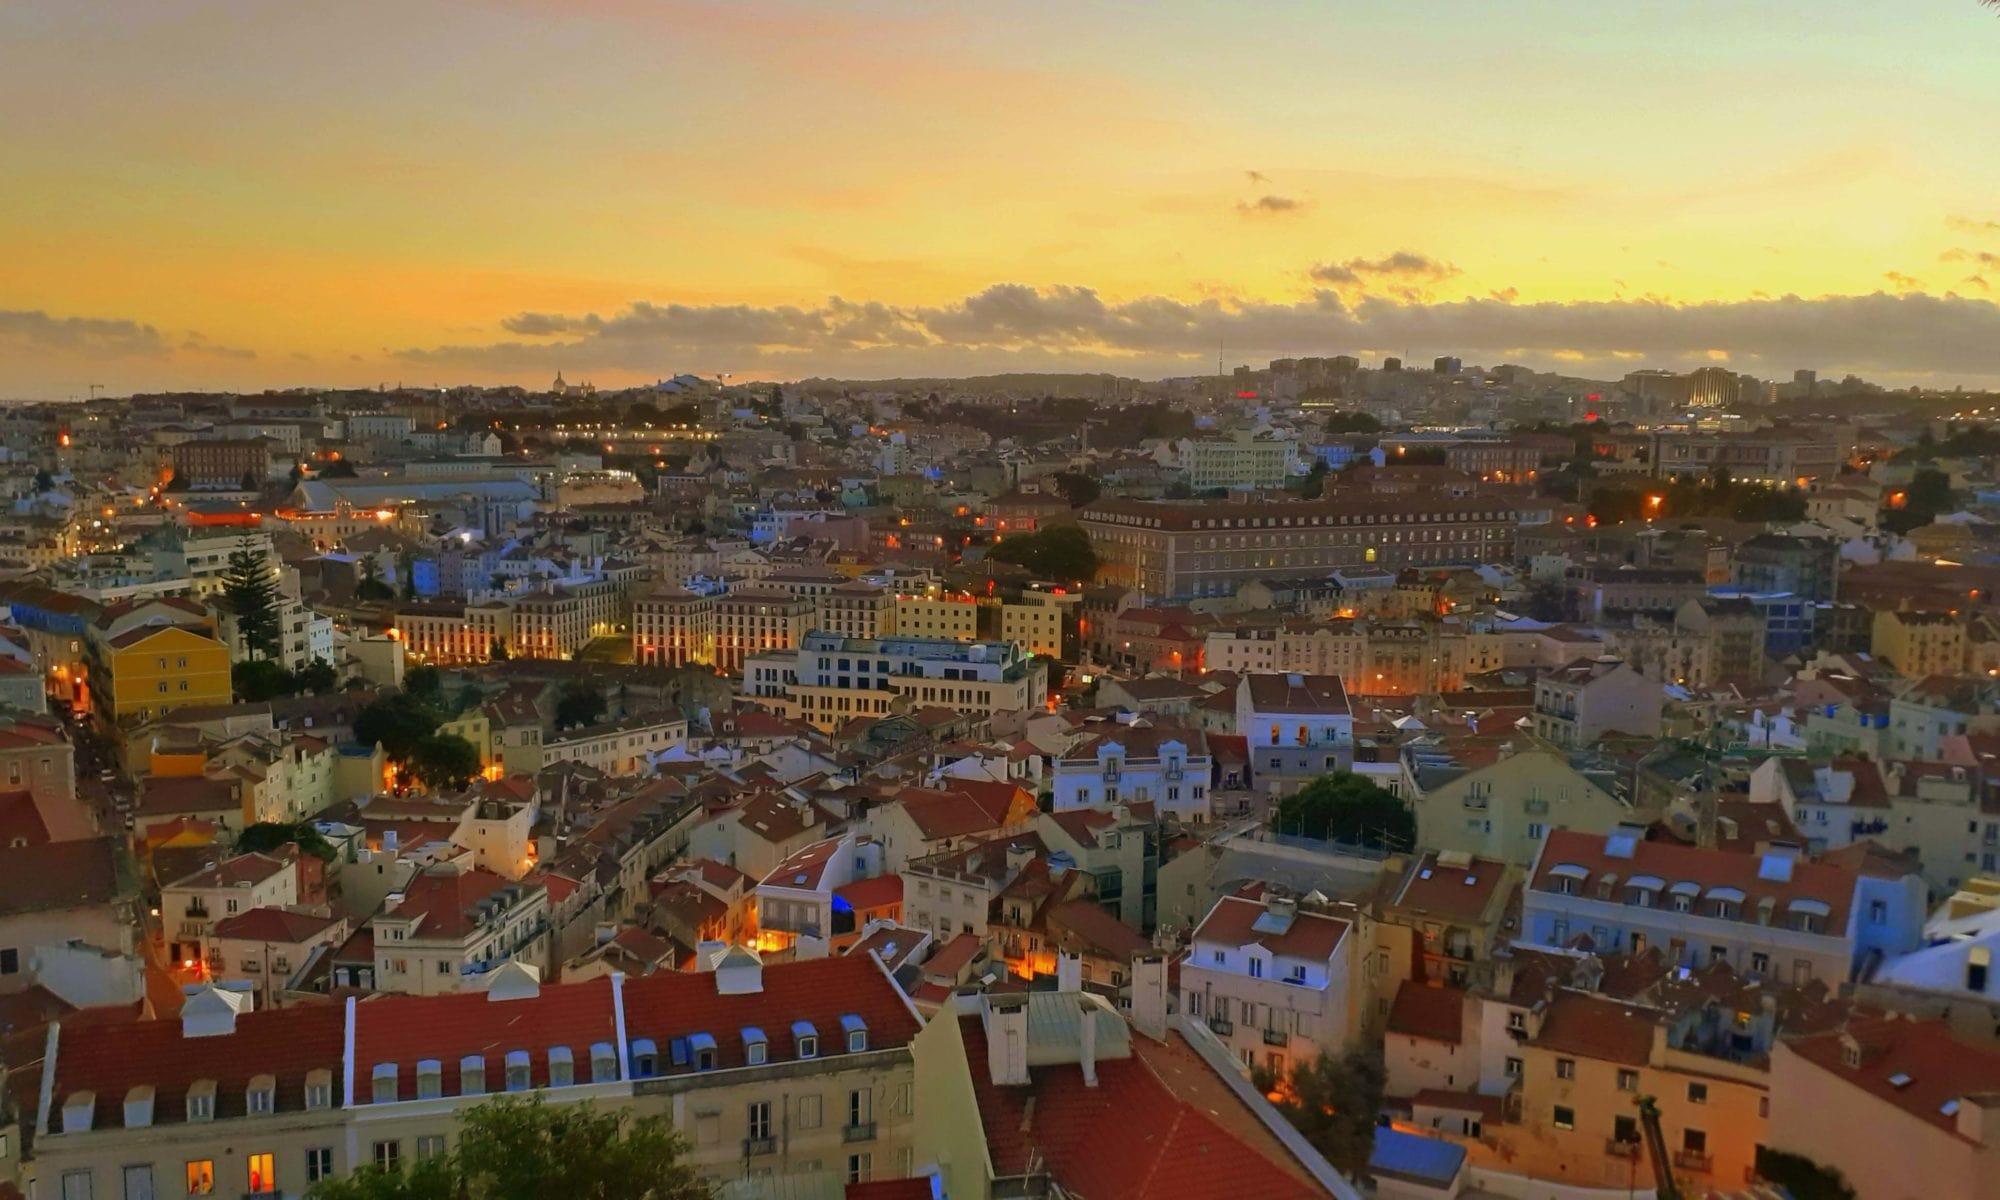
{"x": 1459, "y": 890}
{"x": 1707, "y": 869}
{"x": 272, "y": 925}
{"x": 1312, "y": 694}
{"x": 405, "y": 1030}
{"x": 252, "y": 868}
{"x": 20, "y": 821}
{"x": 878, "y": 891}
{"x": 283, "y": 1042}
{"x": 1435, "y": 1014}
{"x": 58, "y": 875}
{"x": 1311, "y": 936}
{"x": 448, "y": 901}
{"x": 805, "y": 868}
{"x": 1939, "y": 1065}
{"x": 1593, "y": 1027}
{"x": 673, "y": 1005}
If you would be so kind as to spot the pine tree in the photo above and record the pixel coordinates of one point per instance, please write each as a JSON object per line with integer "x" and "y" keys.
{"x": 252, "y": 595}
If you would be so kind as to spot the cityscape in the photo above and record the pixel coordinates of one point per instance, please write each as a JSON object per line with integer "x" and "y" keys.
{"x": 866, "y": 602}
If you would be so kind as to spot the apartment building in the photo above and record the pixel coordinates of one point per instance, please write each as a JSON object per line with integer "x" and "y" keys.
{"x": 223, "y": 462}
{"x": 1453, "y": 906}
{"x": 954, "y": 891}
{"x": 1277, "y": 981}
{"x": 453, "y": 924}
{"x": 1932, "y": 810}
{"x": 1298, "y": 727}
{"x": 1805, "y": 567}
{"x": 1037, "y": 627}
{"x": 1934, "y": 709}
{"x": 1919, "y": 643}
{"x": 442, "y": 633}
{"x": 190, "y": 907}
{"x": 1181, "y": 550}
{"x": 840, "y": 678}
{"x": 1767, "y": 456}
{"x": 1167, "y": 766}
{"x": 796, "y": 909}
{"x": 270, "y": 947}
{"x": 1241, "y": 460}
{"x": 754, "y": 622}
{"x": 857, "y": 608}
{"x": 202, "y": 558}
{"x": 799, "y": 1069}
{"x": 1772, "y": 914}
{"x": 562, "y": 620}
{"x": 673, "y": 627}
{"x": 37, "y": 757}
{"x": 953, "y": 618}
{"x": 1503, "y": 802}
{"x": 622, "y": 747}
{"x": 1578, "y": 704}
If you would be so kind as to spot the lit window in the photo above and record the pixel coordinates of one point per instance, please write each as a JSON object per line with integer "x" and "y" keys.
{"x": 261, "y": 1174}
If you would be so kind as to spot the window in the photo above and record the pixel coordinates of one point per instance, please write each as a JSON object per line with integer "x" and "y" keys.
{"x": 1760, "y": 962}
{"x": 1565, "y": 1117}
{"x": 1565, "y": 1068}
{"x": 139, "y": 1183}
{"x": 860, "y": 1108}
{"x": 1256, "y": 968}
{"x": 430, "y": 1145}
{"x": 319, "y": 1163}
{"x": 1878, "y": 912}
{"x": 1513, "y": 1068}
{"x": 1517, "y": 1021}
{"x": 860, "y": 1168}
{"x": 201, "y": 1177}
{"x": 1625, "y": 1130}
{"x": 76, "y": 1185}
{"x": 517, "y": 1071}
{"x": 1694, "y": 1141}
{"x": 384, "y": 1083}
{"x": 1978, "y": 966}
{"x": 857, "y": 1033}
{"x": 809, "y": 1045}
{"x": 388, "y": 1156}
{"x": 809, "y": 1114}
{"x": 760, "y": 1120}
{"x": 1628, "y": 1081}
{"x": 1697, "y": 1093}
{"x": 260, "y": 1174}
{"x": 10, "y": 961}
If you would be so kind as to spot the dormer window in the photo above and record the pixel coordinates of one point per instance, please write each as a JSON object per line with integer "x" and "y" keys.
{"x": 319, "y": 1089}
{"x": 384, "y": 1083}
{"x": 562, "y": 1066}
{"x": 856, "y": 1031}
{"x": 756, "y": 1050}
{"x": 260, "y": 1098}
{"x": 702, "y": 1047}
{"x": 430, "y": 1079}
{"x": 603, "y": 1063}
{"x": 805, "y": 1038}
{"x": 472, "y": 1075}
{"x": 645, "y": 1058}
{"x": 201, "y": 1100}
{"x": 518, "y": 1071}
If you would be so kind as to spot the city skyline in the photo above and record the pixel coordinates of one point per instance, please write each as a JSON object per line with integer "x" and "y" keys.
{"x": 237, "y": 196}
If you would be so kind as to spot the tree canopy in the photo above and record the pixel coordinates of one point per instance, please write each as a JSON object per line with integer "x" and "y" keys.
{"x": 250, "y": 589}
{"x": 265, "y": 836}
{"x": 1058, "y": 552}
{"x": 1077, "y": 488}
{"x": 513, "y": 1149}
{"x": 1333, "y": 1100}
{"x": 579, "y": 703}
{"x": 397, "y": 722}
{"x": 1345, "y": 807}
{"x": 444, "y": 761}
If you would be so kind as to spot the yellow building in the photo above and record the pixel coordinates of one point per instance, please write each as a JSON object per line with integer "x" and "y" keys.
{"x": 1920, "y": 643}
{"x": 1037, "y": 627}
{"x": 917, "y": 616}
{"x": 152, "y": 669}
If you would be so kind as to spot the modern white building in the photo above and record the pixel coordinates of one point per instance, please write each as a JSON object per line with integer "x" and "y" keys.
{"x": 1297, "y": 727}
{"x": 840, "y": 678}
{"x": 1275, "y": 981}
{"x": 1165, "y": 765}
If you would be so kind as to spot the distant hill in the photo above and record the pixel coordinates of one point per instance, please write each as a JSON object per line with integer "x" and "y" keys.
{"x": 1090, "y": 387}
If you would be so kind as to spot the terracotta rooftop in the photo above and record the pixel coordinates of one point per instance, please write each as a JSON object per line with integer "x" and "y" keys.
{"x": 1310, "y": 936}
{"x": 1435, "y": 1014}
{"x": 1916, "y": 1066}
{"x": 1593, "y": 1027}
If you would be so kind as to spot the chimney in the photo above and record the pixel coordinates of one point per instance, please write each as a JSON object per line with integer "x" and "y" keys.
{"x": 1149, "y": 994}
{"x": 1088, "y": 1050}
{"x": 1069, "y": 972}
{"x": 211, "y": 1009}
{"x": 1977, "y": 1114}
{"x": 606, "y": 930}
{"x": 1007, "y": 1039}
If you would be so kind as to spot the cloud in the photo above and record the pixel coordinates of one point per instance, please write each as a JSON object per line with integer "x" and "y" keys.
{"x": 1902, "y": 282}
{"x": 36, "y": 330}
{"x": 1405, "y": 265}
{"x": 1985, "y": 258}
{"x": 196, "y": 343}
{"x": 1973, "y": 225}
{"x": 1979, "y": 281}
{"x": 1270, "y": 205}
{"x": 1257, "y": 177}
{"x": 1907, "y": 336}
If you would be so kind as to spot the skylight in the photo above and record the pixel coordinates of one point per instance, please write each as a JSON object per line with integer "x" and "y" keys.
{"x": 1899, "y": 1080}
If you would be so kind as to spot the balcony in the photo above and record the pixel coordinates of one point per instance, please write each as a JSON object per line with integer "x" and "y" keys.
{"x": 1693, "y": 1160}
{"x": 1535, "y": 806}
{"x": 860, "y": 1131}
{"x": 1277, "y": 1037}
{"x": 1221, "y": 1026}
{"x": 1620, "y": 1148}
{"x": 754, "y": 1147}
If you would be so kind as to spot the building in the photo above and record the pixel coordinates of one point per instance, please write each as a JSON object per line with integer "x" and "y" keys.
{"x": 1453, "y": 905}
{"x": 859, "y": 609}
{"x": 191, "y": 906}
{"x": 271, "y": 948}
{"x": 755, "y": 622}
{"x": 673, "y": 627}
{"x": 840, "y": 678}
{"x": 147, "y": 670}
{"x": 1772, "y": 914}
{"x": 1275, "y": 980}
{"x": 1503, "y": 801}
{"x": 455, "y": 923}
{"x": 1772, "y": 456}
{"x": 1180, "y": 550}
{"x": 562, "y": 620}
{"x": 1805, "y": 567}
{"x": 952, "y": 617}
{"x": 1298, "y": 727}
{"x": 1241, "y": 460}
{"x": 1036, "y": 626}
{"x": 1164, "y": 765}
{"x": 223, "y": 462}
{"x": 1902, "y": 1108}
{"x": 797, "y": 1069}
{"x": 1919, "y": 643}
{"x": 442, "y": 633}
{"x": 1580, "y": 703}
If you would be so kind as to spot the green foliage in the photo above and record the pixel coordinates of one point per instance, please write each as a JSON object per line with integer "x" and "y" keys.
{"x": 425, "y": 682}
{"x": 1928, "y": 497}
{"x": 316, "y": 676}
{"x": 1333, "y": 1101}
{"x": 250, "y": 482}
{"x": 498, "y": 651}
{"x": 250, "y": 589}
{"x": 430, "y": 1179}
{"x": 44, "y": 482}
{"x": 372, "y": 590}
{"x": 266, "y": 836}
{"x": 1548, "y": 600}
{"x": 1309, "y": 484}
{"x": 1687, "y": 497}
{"x": 397, "y": 723}
{"x": 1077, "y": 488}
{"x": 444, "y": 762}
{"x": 1801, "y": 1177}
{"x": 579, "y": 703}
{"x": 1351, "y": 422}
{"x": 1060, "y": 552}
{"x": 260, "y": 679}
{"x": 339, "y": 468}
{"x": 1344, "y": 807}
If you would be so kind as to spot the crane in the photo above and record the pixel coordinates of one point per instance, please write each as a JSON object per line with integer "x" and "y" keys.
{"x": 1664, "y": 1187}
{"x": 94, "y": 389}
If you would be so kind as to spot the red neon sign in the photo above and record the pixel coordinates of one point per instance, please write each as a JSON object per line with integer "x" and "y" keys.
{"x": 1246, "y": 395}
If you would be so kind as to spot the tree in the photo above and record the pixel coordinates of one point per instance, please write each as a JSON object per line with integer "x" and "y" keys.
{"x": 316, "y": 676}
{"x": 250, "y": 481}
{"x": 44, "y": 482}
{"x": 1351, "y": 422}
{"x": 251, "y": 592}
{"x": 513, "y": 1149}
{"x": 498, "y": 651}
{"x": 258, "y": 679}
{"x": 1333, "y": 1101}
{"x": 1058, "y": 552}
{"x": 339, "y": 468}
{"x": 1344, "y": 807}
{"x": 396, "y": 722}
{"x": 1309, "y": 484}
{"x": 444, "y": 762}
{"x": 266, "y": 836}
{"x": 1801, "y": 1177}
{"x": 1548, "y": 600}
{"x": 425, "y": 682}
{"x": 1077, "y": 488}
{"x": 579, "y": 703}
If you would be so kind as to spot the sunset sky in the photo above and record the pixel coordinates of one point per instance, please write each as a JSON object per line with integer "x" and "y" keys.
{"x": 241, "y": 195}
